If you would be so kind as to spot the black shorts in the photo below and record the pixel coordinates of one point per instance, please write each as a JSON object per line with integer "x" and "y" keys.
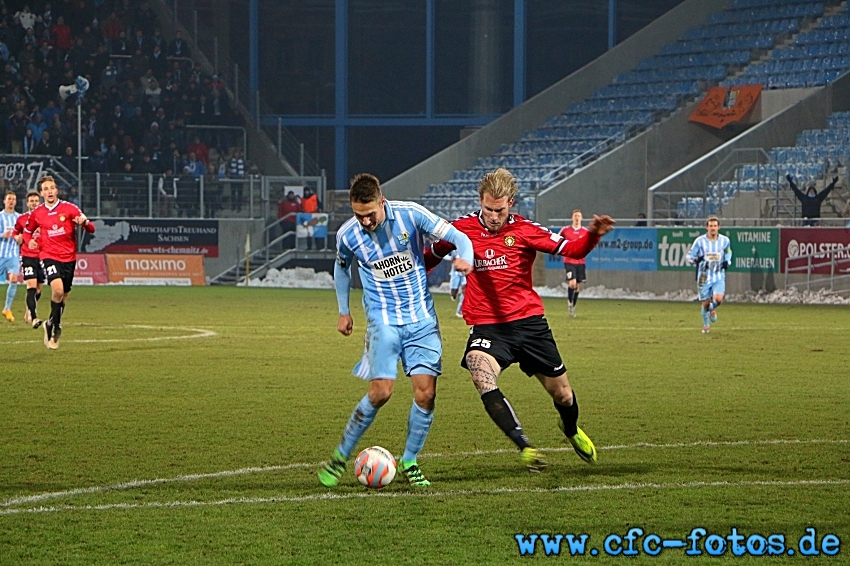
{"x": 528, "y": 341}
{"x": 575, "y": 271}
{"x": 63, "y": 270}
{"x": 32, "y": 269}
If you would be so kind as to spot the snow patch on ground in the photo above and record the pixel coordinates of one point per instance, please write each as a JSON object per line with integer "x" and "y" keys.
{"x": 304, "y": 278}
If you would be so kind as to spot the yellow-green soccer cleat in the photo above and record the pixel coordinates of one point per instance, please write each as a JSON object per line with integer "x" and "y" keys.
{"x": 581, "y": 444}
{"x": 413, "y": 474}
{"x": 330, "y": 473}
{"x": 533, "y": 460}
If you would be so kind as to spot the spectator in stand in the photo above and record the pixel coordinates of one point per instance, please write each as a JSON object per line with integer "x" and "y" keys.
{"x": 69, "y": 159}
{"x": 145, "y": 19}
{"x": 178, "y": 47}
{"x": 200, "y": 150}
{"x": 121, "y": 45}
{"x": 310, "y": 201}
{"x": 4, "y": 51}
{"x": 48, "y": 146}
{"x": 62, "y": 36}
{"x": 38, "y": 126}
{"x": 194, "y": 167}
{"x": 811, "y": 201}
{"x": 157, "y": 40}
{"x": 29, "y": 142}
{"x": 17, "y": 128}
{"x": 97, "y": 163}
{"x": 158, "y": 62}
{"x": 236, "y": 170}
{"x": 140, "y": 43}
{"x": 112, "y": 27}
{"x": 152, "y": 137}
{"x": 287, "y": 209}
{"x": 27, "y": 18}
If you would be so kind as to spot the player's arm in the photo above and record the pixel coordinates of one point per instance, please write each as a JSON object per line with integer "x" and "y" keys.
{"x": 81, "y": 219}
{"x": 18, "y": 230}
{"x": 548, "y": 242}
{"x": 695, "y": 256}
{"x": 435, "y": 254}
{"x": 727, "y": 256}
{"x": 342, "y": 284}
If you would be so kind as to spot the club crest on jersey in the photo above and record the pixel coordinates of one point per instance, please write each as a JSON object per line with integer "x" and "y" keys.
{"x": 61, "y": 218}
{"x": 403, "y": 239}
{"x": 510, "y": 241}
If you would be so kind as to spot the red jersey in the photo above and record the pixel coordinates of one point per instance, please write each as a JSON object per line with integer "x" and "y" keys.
{"x": 19, "y": 229}
{"x": 569, "y": 234}
{"x": 58, "y": 236}
{"x": 499, "y": 288}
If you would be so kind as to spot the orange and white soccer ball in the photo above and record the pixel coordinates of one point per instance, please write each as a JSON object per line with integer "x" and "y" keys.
{"x": 375, "y": 467}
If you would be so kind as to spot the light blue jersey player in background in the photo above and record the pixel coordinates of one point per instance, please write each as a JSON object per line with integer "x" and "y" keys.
{"x": 385, "y": 240}
{"x": 10, "y": 252}
{"x": 457, "y": 284}
{"x": 711, "y": 253}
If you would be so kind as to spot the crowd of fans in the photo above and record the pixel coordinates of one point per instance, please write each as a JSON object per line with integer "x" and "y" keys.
{"x": 144, "y": 91}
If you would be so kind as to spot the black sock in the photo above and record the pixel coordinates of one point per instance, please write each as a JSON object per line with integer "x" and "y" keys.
{"x": 502, "y": 413}
{"x": 31, "y": 302}
{"x": 570, "y": 293}
{"x": 569, "y": 416}
{"x": 575, "y": 297}
{"x": 37, "y": 295}
{"x": 55, "y": 314}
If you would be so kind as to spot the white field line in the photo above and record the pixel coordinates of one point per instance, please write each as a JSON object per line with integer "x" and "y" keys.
{"x": 400, "y": 494}
{"x": 133, "y": 484}
{"x": 197, "y": 333}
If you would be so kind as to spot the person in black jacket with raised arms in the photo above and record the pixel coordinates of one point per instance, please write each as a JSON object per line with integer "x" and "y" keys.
{"x": 811, "y": 200}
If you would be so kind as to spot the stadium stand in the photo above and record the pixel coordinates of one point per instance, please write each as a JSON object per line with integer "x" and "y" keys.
{"x": 733, "y": 47}
{"x": 145, "y": 94}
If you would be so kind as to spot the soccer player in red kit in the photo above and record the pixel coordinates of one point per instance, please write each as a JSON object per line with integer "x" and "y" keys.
{"x": 506, "y": 314}
{"x": 33, "y": 272}
{"x": 57, "y": 222}
{"x": 575, "y": 268}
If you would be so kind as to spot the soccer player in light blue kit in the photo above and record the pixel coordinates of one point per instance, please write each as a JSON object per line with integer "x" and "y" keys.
{"x": 457, "y": 284}
{"x": 10, "y": 251}
{"x": 385, "y": 240}
{"x": 711, "y": 253}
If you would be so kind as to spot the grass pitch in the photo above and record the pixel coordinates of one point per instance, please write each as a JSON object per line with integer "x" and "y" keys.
{"x": 184, "y": 426}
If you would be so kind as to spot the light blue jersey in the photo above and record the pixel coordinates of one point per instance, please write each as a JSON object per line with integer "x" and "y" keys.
{"x": 711, "y": 256}
{"x": 392, "y": 270}
{"x": 9, "y": 248}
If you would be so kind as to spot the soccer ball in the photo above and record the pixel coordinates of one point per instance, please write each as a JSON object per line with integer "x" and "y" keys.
{"x": 375, "y": 467}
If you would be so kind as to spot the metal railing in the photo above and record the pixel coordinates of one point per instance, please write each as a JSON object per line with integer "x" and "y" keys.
{"x": 837, "y": 260}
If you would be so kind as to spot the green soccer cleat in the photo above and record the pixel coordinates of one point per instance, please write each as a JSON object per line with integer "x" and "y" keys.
{"x": 581, "y": 444}
{"x": 330, "y": 473}
{"x": 413, "y": 474}
{"x": 533, "y": 460}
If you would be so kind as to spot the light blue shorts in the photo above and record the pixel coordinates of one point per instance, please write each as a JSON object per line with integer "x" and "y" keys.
{"x": 457, "y": 280}
{"x": 418, "y": 345}
{"x": 708, "y": 290}
{"x": 9, "y": 265}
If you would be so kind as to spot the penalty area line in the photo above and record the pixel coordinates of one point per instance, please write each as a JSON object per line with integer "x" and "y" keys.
{"x": 134, "y": 484}
{"x": 404, "y": 494}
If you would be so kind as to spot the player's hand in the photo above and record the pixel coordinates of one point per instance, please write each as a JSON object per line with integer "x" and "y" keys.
{"x": 345, "y": 324}
{"x": 462, "y": 266}
{"x": 33, "y": 245}
{"x": 81, "y": 219}
{"x": 835, "y": 179}
{"x": 789, "y": 177}
{"x": 724, "y": 265}
{"x": 601, "y": 225}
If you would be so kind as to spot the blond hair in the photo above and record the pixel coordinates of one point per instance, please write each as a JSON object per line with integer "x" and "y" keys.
{"x": 499, "y": 183}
